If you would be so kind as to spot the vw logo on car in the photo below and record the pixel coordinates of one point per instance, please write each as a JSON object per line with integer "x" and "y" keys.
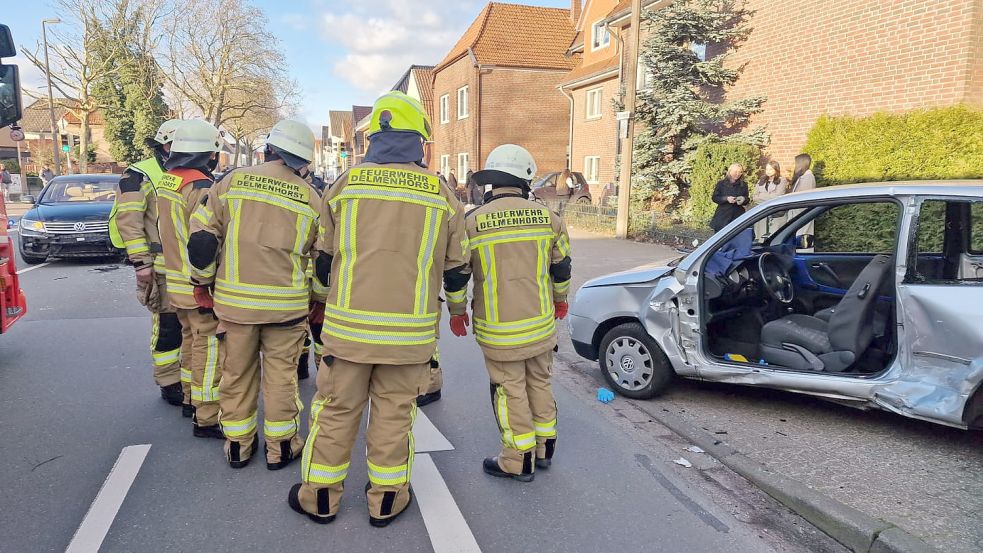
{"x": 80, "y": 227}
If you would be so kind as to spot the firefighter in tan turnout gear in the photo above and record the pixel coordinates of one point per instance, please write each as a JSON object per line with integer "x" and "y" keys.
{"x": 133, "y": 227}
{"x": 251, "y": 240}
{"x": 520, "y": 255}
{"x": 193, "y": 157}
{"x": 391, "y": 231}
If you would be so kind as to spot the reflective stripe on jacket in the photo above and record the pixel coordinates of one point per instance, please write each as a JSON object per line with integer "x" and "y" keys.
{"x": 133, "y": 219}
{"x": 392, "y": 230}
{"x": 514, "y": 242}
{"x": 266, "y": 222}
{"x": 178, "y": 193}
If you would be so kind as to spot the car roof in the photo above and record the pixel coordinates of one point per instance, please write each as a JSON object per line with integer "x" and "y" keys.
{"x": 964, "y": 187}
{"x": 89, "y": 177}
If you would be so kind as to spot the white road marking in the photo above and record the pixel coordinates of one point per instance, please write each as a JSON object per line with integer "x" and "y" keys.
{"x": 102, "y": 512}
{"x": 449, "y": 532}
{"x": 32, "y": 267}
{"x": 427, "y": 437}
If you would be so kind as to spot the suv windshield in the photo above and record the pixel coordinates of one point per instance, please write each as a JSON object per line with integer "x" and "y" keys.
{"x": 79, "y": 190}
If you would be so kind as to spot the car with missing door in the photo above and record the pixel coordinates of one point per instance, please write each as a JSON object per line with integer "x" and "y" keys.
{"x": 545, "y": 188}
{"x": 867, "y": 295}
{"x": 70, "y": 218}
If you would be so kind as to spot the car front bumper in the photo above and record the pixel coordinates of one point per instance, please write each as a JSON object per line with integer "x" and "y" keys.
{"x": 67, "y": 245}
{"x": 582, "y": 331}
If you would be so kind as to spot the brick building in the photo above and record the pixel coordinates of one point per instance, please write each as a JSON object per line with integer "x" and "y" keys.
{"x": 498, "y": 85}
{"x": 809, "y": 57}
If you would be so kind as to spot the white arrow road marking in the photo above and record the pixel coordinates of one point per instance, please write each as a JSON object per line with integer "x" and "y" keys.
{"x": 449, "y": 532}
{"x": 427, "y": 437}
{"x": 102, "y": 512}
{"x": 32, "y": 267}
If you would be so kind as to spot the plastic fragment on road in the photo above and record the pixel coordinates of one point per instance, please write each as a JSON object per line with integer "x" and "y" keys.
{"x": 683, "y": 462}
{"x": 694, "y": 449}
{"x": 604, "y": 395}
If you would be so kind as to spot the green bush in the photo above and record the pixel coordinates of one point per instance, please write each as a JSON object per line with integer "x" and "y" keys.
{"x": 11, "y": 165}
{"x": 940, "y": 143}
{"x": 709, "y": 166}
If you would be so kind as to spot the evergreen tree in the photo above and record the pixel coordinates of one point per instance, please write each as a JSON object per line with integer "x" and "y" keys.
{"x": 684, "y": 103}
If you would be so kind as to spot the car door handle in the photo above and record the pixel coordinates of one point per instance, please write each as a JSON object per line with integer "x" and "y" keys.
{"x": 828, "y": 270}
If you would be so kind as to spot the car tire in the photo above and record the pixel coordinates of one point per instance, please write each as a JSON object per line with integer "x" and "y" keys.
{"x": 33, "y": 260}
{"x": 632, "y": 363}
{"x": 584, "y": 200}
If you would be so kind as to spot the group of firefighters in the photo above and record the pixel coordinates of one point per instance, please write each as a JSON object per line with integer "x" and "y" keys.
{"x": 242, "y": 275}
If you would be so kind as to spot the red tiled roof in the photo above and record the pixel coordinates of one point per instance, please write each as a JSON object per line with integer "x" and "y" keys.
{"x": 518, "y": 36}
{"x": 596, "y": 68}
{"x": 424, "y": 83}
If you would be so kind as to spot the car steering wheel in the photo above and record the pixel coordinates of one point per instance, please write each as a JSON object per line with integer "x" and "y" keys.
{"x": 776, "y": 278}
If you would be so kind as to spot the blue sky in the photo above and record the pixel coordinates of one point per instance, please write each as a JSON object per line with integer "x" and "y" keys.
{"x": 341, "y": 52}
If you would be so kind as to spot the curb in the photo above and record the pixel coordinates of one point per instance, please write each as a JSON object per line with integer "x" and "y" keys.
{"x": 854, "y": 529}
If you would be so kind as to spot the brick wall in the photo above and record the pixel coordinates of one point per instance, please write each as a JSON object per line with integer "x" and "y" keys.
{"x": 858, "y": 57}
{"x": 524, "y": 107}
{"x": 457, "y": 135}
{"x": 596, "y": 137}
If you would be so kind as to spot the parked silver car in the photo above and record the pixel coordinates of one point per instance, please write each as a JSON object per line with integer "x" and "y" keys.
{"x": 868, "y": 295}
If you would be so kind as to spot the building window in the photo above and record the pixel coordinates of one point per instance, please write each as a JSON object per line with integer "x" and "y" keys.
{"x": 600, "y": 36}
{"x": 592, "y": 166}
{"x": 699, "y": 49}
{"x": 445, "y": 164}
{"x": 594, "y": 98}
{"x": 445, "y": 109}
{"x": 462, "y": 102}
{"x": 645, "y": 76}
{"x": 462, "y": 166}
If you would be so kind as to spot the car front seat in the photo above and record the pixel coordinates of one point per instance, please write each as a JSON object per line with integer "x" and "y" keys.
{"x": 809, "y": 343}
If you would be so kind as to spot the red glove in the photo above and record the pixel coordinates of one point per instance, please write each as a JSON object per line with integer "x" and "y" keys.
{"x": 203, "y": 297}
{"x": 561, "y": 308}
{"x": 459, "y": 324}
{"x": 317, "y": 313}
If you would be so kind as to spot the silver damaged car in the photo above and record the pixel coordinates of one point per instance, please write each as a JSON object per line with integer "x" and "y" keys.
{"x": 867, "y": 295}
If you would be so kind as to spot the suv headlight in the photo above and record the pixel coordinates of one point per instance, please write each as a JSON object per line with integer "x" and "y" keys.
{"x": 32, "y": 226}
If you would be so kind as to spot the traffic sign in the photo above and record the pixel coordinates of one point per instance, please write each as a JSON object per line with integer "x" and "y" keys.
{"x": 65, "y": 148}
{"x": 16, "y": 135}
{"x": 344, "y": 155}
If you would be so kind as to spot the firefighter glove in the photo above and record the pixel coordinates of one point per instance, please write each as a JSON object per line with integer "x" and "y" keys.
{"x": 561, "y": 308}
{"x": 459, "y": 324}
{"x": 203, "y": 297}
{"x": 317, "y": 313}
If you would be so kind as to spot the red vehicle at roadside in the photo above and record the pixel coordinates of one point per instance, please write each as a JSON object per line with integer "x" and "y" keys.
{"x": 13, "y": 304}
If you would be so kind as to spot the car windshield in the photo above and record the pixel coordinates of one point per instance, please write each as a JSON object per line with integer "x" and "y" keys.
{"x": 76, "y": 190}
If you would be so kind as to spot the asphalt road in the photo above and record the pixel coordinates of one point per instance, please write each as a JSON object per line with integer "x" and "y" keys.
{"x": 76, "y": 389}
{"x": 923, "y": 477}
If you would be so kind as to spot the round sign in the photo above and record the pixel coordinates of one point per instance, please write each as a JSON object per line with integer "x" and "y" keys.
{"x": 65, "y": 147}
{"x": 16, "y": 135}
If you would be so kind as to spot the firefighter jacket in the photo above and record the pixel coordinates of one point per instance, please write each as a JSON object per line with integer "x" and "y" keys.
{"x": 180, "y": 191}
{"x": 133, "y": 220}
{"x": 264, "y": 221}
{"x": 389, "y": 233}
{"x": 520, "y": 256}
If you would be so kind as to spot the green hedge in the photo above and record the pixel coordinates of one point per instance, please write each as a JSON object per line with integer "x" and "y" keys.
{"x": 940, "y": 143}
{"x": 709, "y": 166}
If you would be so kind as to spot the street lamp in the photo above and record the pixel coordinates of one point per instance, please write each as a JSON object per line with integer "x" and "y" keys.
{"x": 51, "y": 100}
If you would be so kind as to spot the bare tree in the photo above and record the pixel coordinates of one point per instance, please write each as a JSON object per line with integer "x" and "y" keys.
{"x": 218, "y": 67}
{"x": 250, "y": 126}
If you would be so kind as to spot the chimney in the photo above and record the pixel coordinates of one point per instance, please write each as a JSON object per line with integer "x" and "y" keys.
{"x": 575, "y": 6}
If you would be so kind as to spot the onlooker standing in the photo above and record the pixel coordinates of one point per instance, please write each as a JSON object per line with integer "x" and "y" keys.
{"x": 771, "y": 185}
{"x": 46, "y": 174}
{"x": 452, "y": 181}
{"x": 5, "y": 180}
{"x": 730, "y": 195}
{"x": 475, "y": 191}
{"x": 564, "y": 184}
{"x": 802, "y": 178}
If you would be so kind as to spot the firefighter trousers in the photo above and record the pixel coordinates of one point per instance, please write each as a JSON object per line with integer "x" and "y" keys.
{"x": 343, "y": 388}
{"x": 280, "y": 346}
{"x": 525, "y": 410}
{"x": 436, "y": 377}
{"x": 207, "y": 358}
{"x": 166, "y": 347}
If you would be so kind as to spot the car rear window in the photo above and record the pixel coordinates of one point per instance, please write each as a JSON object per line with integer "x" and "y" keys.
{"x": 80, "y": 190}
{"x": 976, "y": 228}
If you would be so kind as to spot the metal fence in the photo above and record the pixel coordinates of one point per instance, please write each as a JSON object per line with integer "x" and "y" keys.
{"x": 645, "y": 227}
{"x": 586, "y": 216}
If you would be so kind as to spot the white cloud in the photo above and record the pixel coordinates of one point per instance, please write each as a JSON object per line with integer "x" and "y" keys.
{"x": 381, "y": 38}
{"x": 31, "y": 78}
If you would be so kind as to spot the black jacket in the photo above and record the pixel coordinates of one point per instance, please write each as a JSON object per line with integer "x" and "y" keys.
{"x": 727, "y": 212}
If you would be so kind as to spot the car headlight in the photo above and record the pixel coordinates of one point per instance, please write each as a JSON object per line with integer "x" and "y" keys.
{"x": 31, "y": 225}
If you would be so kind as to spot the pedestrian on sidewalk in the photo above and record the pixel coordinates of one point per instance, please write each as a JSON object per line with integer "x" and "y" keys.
{"x": 5, "y": 180}
{"x": 802, "y": 177}
{"x": 518, "y": 297}
{"x": 731, "y": 196}
{"x": 47, "y": 175}
{"x": 771, "y": 185}
{"x": 475, "y": 191}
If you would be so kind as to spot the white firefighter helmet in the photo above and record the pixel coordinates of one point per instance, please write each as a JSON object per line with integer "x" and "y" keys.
{"x": 196, "y": 136}
{"x": 512, "y": 159}
{"x": 294, "y": 138}
{"x": 165, "y": 134}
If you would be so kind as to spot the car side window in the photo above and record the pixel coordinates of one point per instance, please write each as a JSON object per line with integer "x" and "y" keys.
{"x": 550, "y": 182}
{"x": 864, "y": 228}
{"x": 976, "y": 228}
{"x": 948, "y": 243}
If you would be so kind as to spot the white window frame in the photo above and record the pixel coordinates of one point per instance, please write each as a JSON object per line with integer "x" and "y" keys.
{"x": 445, "y": 108}
{"x": 445, "y": 165}
{"x": 463, "y": 164}
{"x": 645, "y": 76}
{"x": 600, "y": 36}
{"x": 592, "y": 164}
{"x": 597, "y": 93}
{"x": 462, "y": 105}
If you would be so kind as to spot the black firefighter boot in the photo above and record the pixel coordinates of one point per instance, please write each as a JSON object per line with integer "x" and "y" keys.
{"x": 383, "y": 522}
{"x": 303, "y": 365}
{"x": 286, "y": 456}
{"x": 427, "y": 399}
{"x": 235, "y": 458}
{"x": 293, "y": 499}
{"x": 545, "y": 462}
{"x": 173, "y": 394}
{"x": 187, "y": 410}
{"x": 491, "y": 467}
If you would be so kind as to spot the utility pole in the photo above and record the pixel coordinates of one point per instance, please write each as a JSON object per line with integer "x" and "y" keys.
{"x": 51, "y": 100}
{"x": 628, "y": 142}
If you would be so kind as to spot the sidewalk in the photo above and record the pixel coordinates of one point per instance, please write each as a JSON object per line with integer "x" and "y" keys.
{"x": 923, "y": 477}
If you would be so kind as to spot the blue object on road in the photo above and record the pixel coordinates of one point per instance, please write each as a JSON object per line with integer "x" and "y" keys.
{"x": 604, "y": 395}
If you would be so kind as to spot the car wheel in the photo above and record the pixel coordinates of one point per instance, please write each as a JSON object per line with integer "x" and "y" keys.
{"x": 583, "y": 200}
{"x": 32, "y": 259}
{"x": 632, "y": 363}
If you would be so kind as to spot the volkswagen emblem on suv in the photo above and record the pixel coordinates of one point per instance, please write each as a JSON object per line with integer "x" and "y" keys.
{"x": 79, "y": 227}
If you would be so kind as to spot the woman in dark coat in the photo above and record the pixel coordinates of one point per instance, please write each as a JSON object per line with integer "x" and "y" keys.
{"x": 731, "y": 197}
